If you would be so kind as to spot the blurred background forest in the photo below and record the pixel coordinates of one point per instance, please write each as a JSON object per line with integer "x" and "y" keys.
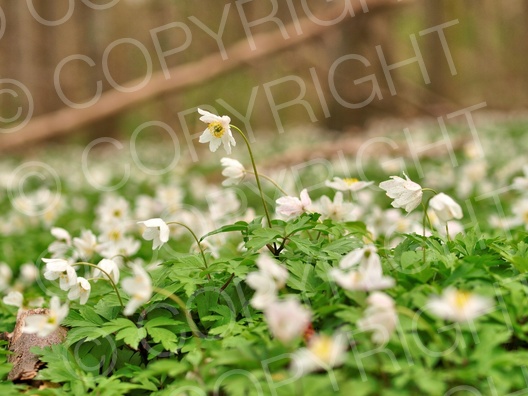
{"x": 487, "y": 39}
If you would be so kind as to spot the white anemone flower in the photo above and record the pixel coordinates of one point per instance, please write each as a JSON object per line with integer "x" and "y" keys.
{"x": 45, "y": 324}
{"x": 287, "y": 319}
{"x": 81, "y": 290}
{"x": 445, "y": 207}
{"x": 293, "y": 206}
{"x": 108, "y": 266}
{"x": 6, "y": 274}
{"x": 361, "y": 280}
{"x": 86, "y": 245}
{"x": 14, "y": 298}
{"x": 157, "y": 231}
{"x": 270, "y": 277}
{"x": 218, "y": 131}
{"x": 364, "y": 258}
{"x": 380, "y": 317}
{"x": 347, "y": 184}
{"x": 459, "y": 306}
{"x": 139, "y": 287}
{"x": 338, "y": 209}
{"x": 406, "y": 193}
{"x": 62, "y": 270}
{"x": 234, "y": 171}
{"x": 323, "y": 353}
{"x": 271, "y": 268}
{"x": 520, "y": 183}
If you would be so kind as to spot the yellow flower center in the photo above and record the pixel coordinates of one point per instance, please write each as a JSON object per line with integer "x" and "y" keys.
{"x": 525, "y": 217}
{"x": 350, "y": 180}
{"x": 216, "y": 128}
{"x": 461, "y": 299}
{"x": 322, "y": 348}
{"x": 114, "y": 235}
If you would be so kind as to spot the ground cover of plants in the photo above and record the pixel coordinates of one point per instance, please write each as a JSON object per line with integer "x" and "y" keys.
{"x": 315, "y": 278}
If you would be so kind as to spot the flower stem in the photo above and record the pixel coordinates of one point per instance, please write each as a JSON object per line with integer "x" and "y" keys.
{"x": 197, "y": 242}
{"x": 107, "y": 275}
{"x": 271, "y": 181}
{"x": 257, "y": 178}
{"x": 181, "y": 304}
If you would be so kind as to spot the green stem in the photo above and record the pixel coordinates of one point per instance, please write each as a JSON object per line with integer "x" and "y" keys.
{"x": 271, "y": 181}
{"x": 197, "y": 242}
{"x": 181, "y": 304}
{"x": 257, "y": 178}
{"x": 107, "y": 275}
{"x": 447, "y": 232}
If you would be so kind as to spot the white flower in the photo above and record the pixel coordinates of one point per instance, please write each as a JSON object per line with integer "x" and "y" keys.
{"x": 323, "y": 352}
{"x": 459, "y": 306}
{"x": 113, "y": 209}
{"x": 108, "y": 266}
{"x": 29, "y": 273}
{"x": 157, "y": 231}
{"x": 5, "y": 276}
{"x": 406, "y": 193}
{"x": 293, "y": 206}
{"x": 45, "y": 324}
{"x": 63, "y": 244}
{"x": 361, "y": 280}
{"x": 380, "y": 317}
{"x": 520, "y": 211}
{"x": 362, "y": 271}
{"x": 61, "y": 269}
{"x": 347, "y": 184}
{"x": 86, "y": 244}
{"x": 364, "y": 258}
{"x": 445, "y": 207}
{"x": 81, "y": 290}
{"x": 139, "y": 287}
{"x": 270, "y": 277}
{"x": 234, "y": 171}
{"x": 270, "y": 267}
{"x": 337, "y": 209}
{"x": 287, "y": 319}
{"x": 14, "y": 298}
{"x": 520, "y": 183}
{"x": 218, "y": 131}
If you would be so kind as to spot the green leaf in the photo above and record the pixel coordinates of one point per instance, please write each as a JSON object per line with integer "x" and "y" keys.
{"x": 167, "y": 338}
{"x": 238, "y": 226}
{"x": 126, "y": 331}
{"x": 89, "y": 314}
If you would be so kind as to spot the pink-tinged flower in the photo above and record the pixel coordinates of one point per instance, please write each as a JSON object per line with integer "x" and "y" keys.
{"x": 218, "y": 131}
{"x": 347, "y": 184}
{"x": 81, "y": 290}
{"x": 459, "y": 306}
{"x": 45, "y": 324}
{"x": 157, "y": 231}
{"x": 323, "y": 353}
{"x": 380, "y": 317}
{"x": 287, "y": 319}
{"x": 62, "y": 270}
{"x": 445, "y": 207}
{"x": 293, "y": 206}
{"x": 139, "y": 287}
{"x": 406, "y": 193}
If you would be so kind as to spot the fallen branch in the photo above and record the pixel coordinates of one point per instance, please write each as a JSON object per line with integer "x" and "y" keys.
{"x": 181, "y": 77}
